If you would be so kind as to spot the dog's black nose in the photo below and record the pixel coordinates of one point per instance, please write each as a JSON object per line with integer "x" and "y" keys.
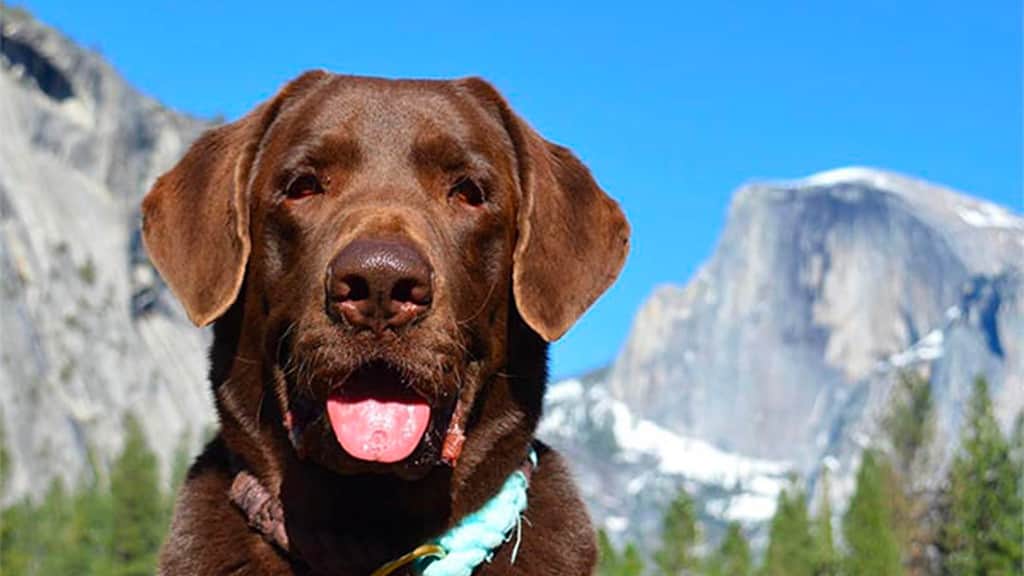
{"x": 377, "y": 284}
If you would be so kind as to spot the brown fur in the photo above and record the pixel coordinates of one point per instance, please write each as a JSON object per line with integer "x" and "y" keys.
{"x": 509, "y": 275}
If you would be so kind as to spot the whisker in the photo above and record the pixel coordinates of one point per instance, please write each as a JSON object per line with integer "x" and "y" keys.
{"x": 259, "y": 406}
{"x": 483, "y": 305}
{"x": 245, "y": 360}
{"x": 284, "y": 336}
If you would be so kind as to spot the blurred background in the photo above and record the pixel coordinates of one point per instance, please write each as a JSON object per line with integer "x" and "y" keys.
{"x": 811, "y": 364}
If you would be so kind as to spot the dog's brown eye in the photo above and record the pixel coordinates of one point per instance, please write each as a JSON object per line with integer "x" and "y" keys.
{"x": 466, "y": 190}
{"x": 303, "y": 187}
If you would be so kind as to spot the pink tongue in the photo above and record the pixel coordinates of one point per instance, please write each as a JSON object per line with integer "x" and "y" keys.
{"x": 378, "y": 430}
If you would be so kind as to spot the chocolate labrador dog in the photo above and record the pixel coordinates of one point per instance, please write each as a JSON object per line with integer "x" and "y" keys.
{"x": 384, "y": 263}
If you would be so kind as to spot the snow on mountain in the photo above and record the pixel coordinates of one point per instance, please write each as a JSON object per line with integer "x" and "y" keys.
{"x": 972, "y": 211}
{"x": 641, "y": 441}
{"x": 629, "y": 468}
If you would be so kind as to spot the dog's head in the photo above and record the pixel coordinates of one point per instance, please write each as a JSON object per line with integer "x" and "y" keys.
{"x": 383, "y": 235}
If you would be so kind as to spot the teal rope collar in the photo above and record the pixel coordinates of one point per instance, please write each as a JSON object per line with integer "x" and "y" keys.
{"x": 476, "y": 537}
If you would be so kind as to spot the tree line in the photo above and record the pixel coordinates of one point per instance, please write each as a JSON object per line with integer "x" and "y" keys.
{"x": 898, "y": 522}
{"x": 109, "y": 525}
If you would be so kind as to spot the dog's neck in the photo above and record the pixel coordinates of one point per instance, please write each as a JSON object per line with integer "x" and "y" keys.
{"x": 371, "y": 519}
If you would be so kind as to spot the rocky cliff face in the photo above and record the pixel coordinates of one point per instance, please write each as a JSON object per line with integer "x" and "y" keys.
{"x": 785, "y": 345}
{"x": 86, "y": 334}
{"x": 817, "y": 287}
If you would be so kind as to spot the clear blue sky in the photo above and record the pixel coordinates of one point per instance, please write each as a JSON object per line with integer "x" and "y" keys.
{"x": 671, "y": 104}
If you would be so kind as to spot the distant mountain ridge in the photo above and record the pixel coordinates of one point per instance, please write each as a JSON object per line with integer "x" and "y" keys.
{"x": 784, "y": 346}
{"x": 814, "y": 285}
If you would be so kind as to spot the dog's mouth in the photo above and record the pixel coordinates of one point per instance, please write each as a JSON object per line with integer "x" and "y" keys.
{"x": 377, "y": 416}
{"x": 372, "y": 410}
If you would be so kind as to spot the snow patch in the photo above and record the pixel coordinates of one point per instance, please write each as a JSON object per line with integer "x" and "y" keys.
{"x": 756, "y": 482}
{"x": 985, "y": 215}
{"x": 616, "y": 524}
{"x": 637, "y": 485}
{"x": 750, "y": 507}
{"x": 874, "y": 178}
{"x": 830, "y": 463}
{"x": 924, "y": 350}
{"x": 78, "y": 112}
{"x": 565, "y": 391}
{"x": 689, "y": 457}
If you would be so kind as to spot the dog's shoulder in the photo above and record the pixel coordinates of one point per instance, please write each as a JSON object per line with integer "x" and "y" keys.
{"x": 557, "y": 535}
{"x": 208, "y": 534}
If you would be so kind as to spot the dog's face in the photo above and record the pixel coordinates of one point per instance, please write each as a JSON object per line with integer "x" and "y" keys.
{"x": 383, "y": 226}
{"x": 383, "y": 234}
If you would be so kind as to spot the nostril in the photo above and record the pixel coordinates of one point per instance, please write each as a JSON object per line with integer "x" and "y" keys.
{"x": 412, "y": 291}
{"x": 353, "y": 288}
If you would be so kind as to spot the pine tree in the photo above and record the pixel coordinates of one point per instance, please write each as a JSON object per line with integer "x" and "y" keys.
{"x": 982, "y": 530}
{"x": 607, "y": 557}
{"x": 91, "y": 530}
{"x": 65, "y": 533}
{"x": 909, "y": 428}
{"x": 1017, "y": 449}
{"x": 611, "y": 563}
{"x": 34, "y": 536}
{"x": 790, "y": 543}
{"x": 732, "y": 558}
{"x": 51, "y": 545}
{"x": 137, "y": 505}
{"x": 873, "y": 548}
{"x": 679, "y": 537}
{"x": 910, "y": 423}
{"x": 632, "y": 562}
{"x": 16, "y": 537}
{"x": 825, "y": 558}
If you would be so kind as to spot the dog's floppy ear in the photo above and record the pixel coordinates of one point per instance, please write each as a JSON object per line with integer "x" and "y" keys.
{"x": 572, "y": 237}
{"x": 195, "y": 219}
